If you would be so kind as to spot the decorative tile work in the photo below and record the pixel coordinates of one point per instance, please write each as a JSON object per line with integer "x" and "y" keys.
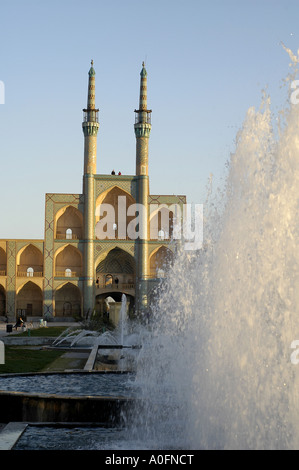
{"x": 124, "y": 183}
{"x": 11, "y": 278}
{"x": 108, "y": 245}
{"x": 54, "y": 202}
{"x": 153, "y": 246}
{"x": 166, "y": 199}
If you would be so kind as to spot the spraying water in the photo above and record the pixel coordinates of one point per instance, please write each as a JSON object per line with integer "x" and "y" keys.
{"x": 216, "y": 370}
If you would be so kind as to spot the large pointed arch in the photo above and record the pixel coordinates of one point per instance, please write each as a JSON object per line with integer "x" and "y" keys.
{"x": 2, "y": 301}
{"x": 161, "y": 221}
{"x": 3, "y": 262}
{"x": 68, "y": 223}
{"x": 161, "y": 259}
{"x": 111, "y": 213}
{"x": 30, "y": 261}
{"x": 116, "y": 269}
{"x": 30, "y": 300}
{"x": 68, "y": 300}
{"x": 68, "y": 257}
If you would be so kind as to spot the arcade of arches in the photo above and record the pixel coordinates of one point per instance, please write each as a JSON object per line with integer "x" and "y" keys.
{"x": 114, "y": 274}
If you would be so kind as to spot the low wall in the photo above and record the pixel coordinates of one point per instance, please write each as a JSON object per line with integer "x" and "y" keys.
{"x": 27, "y": 340}
{"x": 25, "y": 407}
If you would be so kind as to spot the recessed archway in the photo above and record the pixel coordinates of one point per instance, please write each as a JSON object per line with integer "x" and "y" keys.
{"x": 2, "y": 301}
{"x": 68, "y": 301}
{"x": 30, "y": 300}
{"x": 30, "y": 257}
{"x": 69, "y": 223}
{"x": 160, "y": 261}
{"x": 68, "y": 262}
{"x": 116, "y": 270}
{"x": 161, "y": 223}
{"x": 111, "y": 214}
{"x": 3, "y": 262}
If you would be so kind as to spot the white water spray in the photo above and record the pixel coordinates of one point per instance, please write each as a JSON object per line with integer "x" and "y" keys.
{"x": 218, "y": 359}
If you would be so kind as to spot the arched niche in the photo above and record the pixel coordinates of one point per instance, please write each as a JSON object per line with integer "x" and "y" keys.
{"x": 3, "y": 262}
{"x": 2, "y": 301}
{"x": 30, "y": 257}
{"x": 160, "y": 261}
{"x": 68, "y": 301}
{"x": 29, "y": 300}
{"x": 116, "y": 269}
{"x": 161, "y": 223}
{"x": 69, "y": 224}
{"x": 111, "y": 217}
{"x": 68, "y": 259}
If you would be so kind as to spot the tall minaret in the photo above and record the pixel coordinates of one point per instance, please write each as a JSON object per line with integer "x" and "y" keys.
{"x": 142, "y": 129}
{"x": 90, "y": 127}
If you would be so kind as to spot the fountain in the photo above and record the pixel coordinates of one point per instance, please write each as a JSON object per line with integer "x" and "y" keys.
{"x": 215, "y": 369}
{"x": 116, "y": 349}
{"x": 216, "y": 372}
{"x": 119, "y": 348}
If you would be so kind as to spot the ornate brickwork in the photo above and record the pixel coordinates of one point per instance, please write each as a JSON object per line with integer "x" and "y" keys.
{"x": 11, "y": 278}
{"x": 107, "y": 245}
{"x": 54, "y": 202}
{"x": 102, "y": 184}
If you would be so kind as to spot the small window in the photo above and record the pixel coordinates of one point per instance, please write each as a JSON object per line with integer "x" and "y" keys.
{"x": 68, "y": 273}
{"x": 69, "y": 234}
{"x": 30, "y": 272}
{"x": 161, "y": 235}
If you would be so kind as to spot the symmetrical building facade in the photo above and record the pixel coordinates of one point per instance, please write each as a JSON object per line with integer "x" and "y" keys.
{"x": 113, "y": 238}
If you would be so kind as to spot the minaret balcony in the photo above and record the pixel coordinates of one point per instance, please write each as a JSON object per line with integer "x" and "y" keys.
{"x": 143, "y": 116}
{"x": 90, "y": 115}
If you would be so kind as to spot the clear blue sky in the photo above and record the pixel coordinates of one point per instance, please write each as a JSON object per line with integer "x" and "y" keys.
{"x": 207, "y": 63}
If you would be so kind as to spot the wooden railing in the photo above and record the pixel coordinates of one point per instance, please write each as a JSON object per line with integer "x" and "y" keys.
{"x": 68, "y": 273}
{"x": 30, "y": 274}
{"x": 2, "y": 273}
{"x": 64, "y": 236}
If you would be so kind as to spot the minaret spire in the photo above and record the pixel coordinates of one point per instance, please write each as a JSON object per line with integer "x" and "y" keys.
{"x": 142, "y": 129}
{"x": 90, "y": 126}
{"x": 142, "y": 126}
